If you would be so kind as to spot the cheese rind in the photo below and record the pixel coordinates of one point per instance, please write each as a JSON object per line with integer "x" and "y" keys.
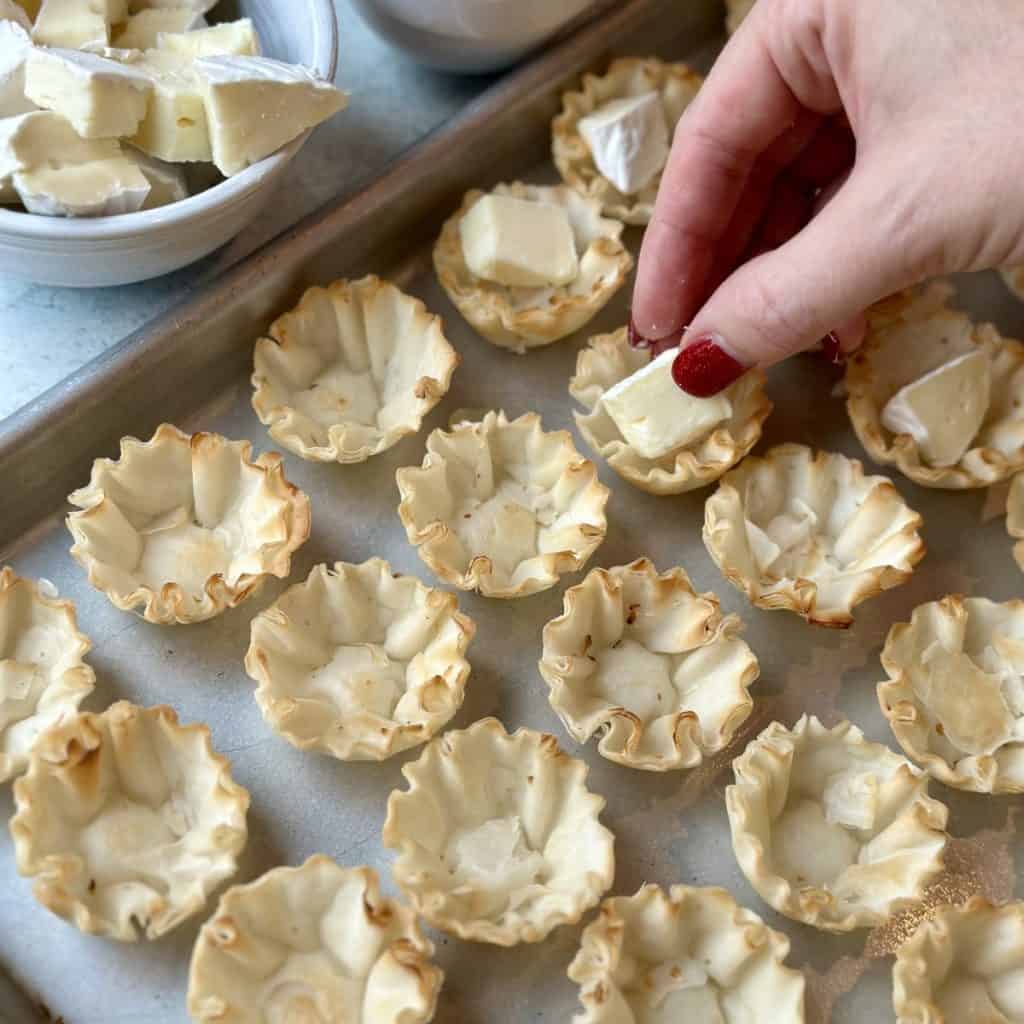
{"x": 15, "y": 46}
{"x": 101, "y": 98}
{"x": 98, "y": 189}
{"x": 76, "y": 23}
{"x": 166, "y": 181}
{"x": 175, "y": 127}
{"x": 943, "y": 410}
{"x": 230, "y": 37}
{"x": 519, "y": 242}
{"x": 628, "y": 139}
{"x": 655, "y": 416}
{"x": 142, "y": 30}
{"x": 255, "y": 105}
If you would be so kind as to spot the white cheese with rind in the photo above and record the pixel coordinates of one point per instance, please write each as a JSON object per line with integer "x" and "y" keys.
{"x": 15, "y": 46}
{"x": 41, "y": 137}
{"x": 167, "y": 182}
{"x": 655, "y": 416}
{"x": 175, "y": 127}
{"x": 101, "y": 98}
{"x": 10, "y": 11}
{"x": 142, "y": 31}
{"x": 943, "y": 410}
{"x": 76, "y": 23}
{"x": 230, "y": 37}
{"x": 255, "y": 105}
{"x": 628, "y": 139}
{"x": 519, "y": 242}
{"x": 97, "y": 189}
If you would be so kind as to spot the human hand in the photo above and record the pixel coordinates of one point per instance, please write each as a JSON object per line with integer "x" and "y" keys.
{"x": 840, "y": 150}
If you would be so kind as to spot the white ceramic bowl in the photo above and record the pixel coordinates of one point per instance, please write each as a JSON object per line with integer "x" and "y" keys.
{"x": 137, "y": 246}
{"x": 469, "y": 35}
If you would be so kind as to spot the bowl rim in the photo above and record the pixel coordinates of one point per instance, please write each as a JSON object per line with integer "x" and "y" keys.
{"x": 29, "y": 226}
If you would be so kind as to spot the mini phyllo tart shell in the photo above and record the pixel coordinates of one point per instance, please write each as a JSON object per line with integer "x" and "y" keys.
{"x": 184, "y": 527}
{"x": 1014, "y": 278}
{"x": 360, "y": 662}
{"x": 520, "y": 318}
{"x": 955, "y": 693}
{"x": 910, "y": 335}
{"x": 651, "y": 665}
{"x": 43, "y": 678}
{"x": 127, "y": 821}
{"x": 810, "y": 533}
{"x": 609, "y": 359}
{"x": 498, "y": 837}
{"x": 686, "y": 955}
{"x": 503, "y": 507}
{"x": 312, "y": 943}
{"x": 350, "y": 371}
{"x": 831, "y": 829}
{"x": 676, "y": 85}
{"x": 964, "y": 964}
{"x": 1015, "y": 517}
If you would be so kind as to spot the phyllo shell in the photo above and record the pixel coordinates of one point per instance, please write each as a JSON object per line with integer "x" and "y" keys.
{"x": 498, "y": 838}
{"x": 909, "y": 335}
{"x": 520, "y": 318}
{"x": 809, "y": 532}
{"x": 312, "y": 943}
{"x": 127, "y": 821}
{"x": 185, "y": 527}
{"x": 676, "y": 85}
{"x": 965, "y": 964}
{"x": 609, "y": 359}
{"x": 1014, "y": 278}
{"x": 651, "y": 665}
{"x": 686, "y": 955}
{"x": 503, "y": 507}
{"x": 43, "y": 678}
{"x": 1015, "y": 517}
{"x": 831, "y": 829}
{"x": 955, "y": 693}
{"x": 350, "y": 371}
{"x": 360, "y": 662}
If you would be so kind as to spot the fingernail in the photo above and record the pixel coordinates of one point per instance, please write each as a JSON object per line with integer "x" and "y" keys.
{"x": 703, "y": 368}
{"x": 636, "y": 339}
{"x": 832, "y": 349}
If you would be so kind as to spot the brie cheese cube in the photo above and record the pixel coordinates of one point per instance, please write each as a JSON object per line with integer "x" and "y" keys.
{"x": 628, "y": 139}
{"x": 142, "y": 31}
{"x": 655, "y": 416}
{"x": 943, "y": 410}
{"x": 174, "y": 128}
{"x": 98, "y": 189}
{"x": 231, "y": 37}
{"x": 76, "y": 23}
{"x": 42, "y": 137}
{"x": 255, "y": 105}
{"x": 101, "y": 98}
{"x": 10, "y": 11}
{"x": 15, "y": 46}
{"x": 166, "y": 181}
{"x": 518, "y": 242}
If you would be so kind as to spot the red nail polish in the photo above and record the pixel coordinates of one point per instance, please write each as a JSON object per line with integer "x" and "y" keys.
{"x": 703, "y": 368}
{"x": 636, "y": 339}
{"x": 832, "y": 349}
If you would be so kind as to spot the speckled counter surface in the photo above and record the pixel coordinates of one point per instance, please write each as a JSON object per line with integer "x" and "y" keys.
{"x": 47, "y": 333}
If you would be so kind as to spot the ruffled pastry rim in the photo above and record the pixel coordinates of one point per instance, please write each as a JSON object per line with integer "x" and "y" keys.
{"x": 813, "y": 905}
{"x": 690, "y": 749}
{"x": 412, "y": 950}
{"x": 902, "y": 710}
{"x": 170, "y": 605}
{"x": 429, "y": 539}
{"x": 697, "y": 464}
{"x": 1015, "y": 517}
{"x": 602, "y": 942}
{"x": 428, "y": 903}
{"x": 426, "y": 393}
{"x": 979, "y": 467}
{"x": 800, "y": 595}
{"x": 485, "y": 306}
{"x": 53, "y": 872}
{"x": 911, "y": 981}
{"x": 75, "y": 683}
{"x": 571, "y": 153}
{"x": 277, "y": 710}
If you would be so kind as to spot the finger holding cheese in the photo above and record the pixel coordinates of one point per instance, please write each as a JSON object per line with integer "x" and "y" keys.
{"x": 943, "y": 410}
{"x": 255, "y": 105}
{"x": 175, "y": 127}
{"x": 15, "y": 46}
{"x": 655, "y": 416}
{"x": 142, "y": 31}
{"x": 628, "y": 139}
{"x": 519, "y": 242}
{"x": 98, "y": 189}
{"x": 231, "y": 37}
{"x": 101, "y": 98}
{"x": 76, "y": 23}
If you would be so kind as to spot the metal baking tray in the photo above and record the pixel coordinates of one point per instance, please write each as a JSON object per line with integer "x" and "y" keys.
{"x": 191, "y": 367}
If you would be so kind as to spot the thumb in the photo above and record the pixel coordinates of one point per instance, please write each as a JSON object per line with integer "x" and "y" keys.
{"x": 851, "y": 254}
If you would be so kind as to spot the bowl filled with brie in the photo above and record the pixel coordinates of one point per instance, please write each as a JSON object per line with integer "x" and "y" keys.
{"x": 137, "y": 136}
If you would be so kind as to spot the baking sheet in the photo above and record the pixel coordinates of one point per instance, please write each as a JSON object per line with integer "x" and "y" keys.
{"x": 669, "y": 828}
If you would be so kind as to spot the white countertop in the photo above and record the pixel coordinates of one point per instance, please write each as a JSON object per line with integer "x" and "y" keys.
{"x": 47, "y": 333}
